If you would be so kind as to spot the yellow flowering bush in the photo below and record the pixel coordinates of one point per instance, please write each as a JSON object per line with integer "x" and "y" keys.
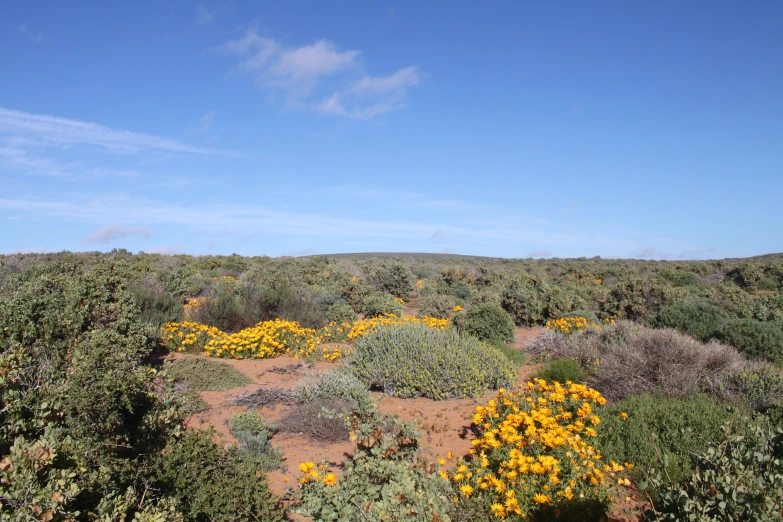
{"x": 193, "y": 305}
{"x": 189, "y": 336}
{"x": 534, "y": 454}
{"x": 272, "y": 338}
{"x": 568, "y": 325}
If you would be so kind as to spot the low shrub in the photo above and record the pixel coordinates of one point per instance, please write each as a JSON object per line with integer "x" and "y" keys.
{"x": 254, "y": 434}
{"x": 319, "y": 421}
{"x": 156, "y": 306}
{"x": 396, "y": 280}
{"x": 515, "y": 355}
{"x": 200, "y": 374}
{"x": 549, "y": 343}
{"x": 534, "y": 455}
{"x": 525, "y": 301}
{"x": 488, "y": 322}
{"x": 412, "y": 360}
{"x": 334, "y": 384}
{"x": 251, "y": 422}
{"x": 341, "y": 312}
{"x": 630, "y": 359}
{"x": 191, "y": 403}
{"x": 738, "y": 478}
{"x": 757, "y": 340}
{"x": 562, "y": 371}
{"x": 700, "y": 320}
{"x": 438, "y": 306}
{"x": 386, "y": 479}
{"x": 755, "y": 389}
{"x": 656, "y": 431}
{"x": 379, "y": 304}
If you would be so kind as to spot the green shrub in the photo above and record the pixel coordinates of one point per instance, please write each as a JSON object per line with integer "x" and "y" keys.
{"x": 738, "y": 478}
{"x": 202, "y": 374}
{"x": 755, "y": 389}
{"x": 379, "y": 304}
{"x": 438, "y": 306}
{"x": 156, "y": 306}
{"x": 341, "y": 312}
{"x": 590, "y": 316}
{"x": 757, "y": 340}
{"x": 334, "y": 384}
{"x": 515, "y": 355}
{"x": 562, "y": 371}
{"x": 661, "y": 429}
{"x": 637, "y": 299}
{"x": 412, "y": 360}
{"x": 251, "y": 422}
{"x": 682, "y": 278}
{"x": 770, "y": 284}
{"x": 525, "y": 302}
{"x": 488, "y": 322}
{"x": 462, "y": 291}
{"x": 254, "y": 433}
{"x": 210, "y": 483}
{"x": 192, "y": 403}
{"x": 700, "y": 320}
{"x": 396, "y": 280}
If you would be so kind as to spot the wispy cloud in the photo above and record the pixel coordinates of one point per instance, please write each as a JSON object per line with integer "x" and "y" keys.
{"x": 114, "y": 232}
{"x": 39, "y": 127}
{"x": 35, "y": 37}
{"x": 321, "y": 76}
{"x": 204, "y": 15}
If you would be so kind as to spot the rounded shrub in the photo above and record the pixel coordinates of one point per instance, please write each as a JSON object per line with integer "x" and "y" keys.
{"x": 562, "y": 371}
{"x": 380, "y": 304}
{"x": 488, "y": 322}
{"x": 397, "y": 280}
{"x": 700, "y": 320}
{"x": 437, "y": 306}
{"x": 656, "y": 431}
{"x": 413, "y": 360}
{"x": 525, "y": 302}
{"x": 757, "y": 340}
{"x": 341, "y": 312}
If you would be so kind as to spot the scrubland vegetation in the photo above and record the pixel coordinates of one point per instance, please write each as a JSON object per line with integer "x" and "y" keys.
{"x": 657, "y": 393}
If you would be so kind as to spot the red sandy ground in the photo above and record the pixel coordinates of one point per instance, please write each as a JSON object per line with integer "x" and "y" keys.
{"x": 444, "y": 424}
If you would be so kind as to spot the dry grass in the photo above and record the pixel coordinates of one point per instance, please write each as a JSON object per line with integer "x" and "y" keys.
{"x": 311, "y": 421}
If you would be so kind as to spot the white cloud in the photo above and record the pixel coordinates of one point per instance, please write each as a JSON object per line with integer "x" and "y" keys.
{"x": 321, "y": 76}
{"x": 166, "y": 250}
{"x": 39, "y": 127}
{"x": 114, "y": 232}
{"x": 30, "y": 34}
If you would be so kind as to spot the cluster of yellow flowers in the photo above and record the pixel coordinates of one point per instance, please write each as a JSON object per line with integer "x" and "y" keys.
{"x": 400, "y": 300}
{"x": 188, "y": 335}
{"x": 193, "y": 304}
{"x": 313, "y": 473}
{"x": 266, "y": 339}
{"x": 533, "y": 450}
{"x": 226, "y": 278}
{"x": 458, "y": 308}
{"x": 569, "y": 325}
{"x": 273, "y": 338}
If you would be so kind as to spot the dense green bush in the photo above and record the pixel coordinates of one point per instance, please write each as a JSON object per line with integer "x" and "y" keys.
{"x": 755, "y": 389}
{"x": 379, "y": 304}
{"x": 396, "y": 280}
{"x": 341, "y": 312}
{"x": 251, "y": 422}
{"x": 515, "y": 355}
{"x": 525, "y": 301}
{"x": 488, "y": 322}
{"x": 757, "y": 340}
{"x": 739, "y": 478}
{"x": 202, "y": 374}
{"x": 700, "y": 320}
{"x": 638, "y": 299}
{"x": 661, "y": 432}
{"x": 334, "y": 384}
{"x": 438, "y": 306}
{"x": 156, "y": 306}
{"x": 562, "y": 371}
{"x": 412, "y": 360}
{"x": 254, "y": 433}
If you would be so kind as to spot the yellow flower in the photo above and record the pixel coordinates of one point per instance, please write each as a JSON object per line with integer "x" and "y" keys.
{"x": 466, "y": 490}
{"x": 330, "y": 479}
{"x": 540, "y": 498}
{"x": 623, "y": 416}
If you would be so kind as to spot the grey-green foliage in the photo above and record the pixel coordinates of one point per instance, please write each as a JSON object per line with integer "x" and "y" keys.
{"x": 254, "y": 433}
{"x": 334, "y": 384}
{"x": 202, "y": 374}
{"x": 438, "y": 306}
{"x": 340, "y": 312}
{"x": 379, "y": 304}
{"x": 740, "y": 478}
{"x": 413, "y": 360}
{"x": 488, "y": 322}
{"x": 756, "y": 389}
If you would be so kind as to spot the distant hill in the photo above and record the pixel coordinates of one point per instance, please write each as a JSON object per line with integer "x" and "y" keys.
{"x": 406, "y": 255}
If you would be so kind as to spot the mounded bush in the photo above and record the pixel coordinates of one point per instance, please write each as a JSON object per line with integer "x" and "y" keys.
{"x": 334, "y": 384}
{"x": 757, "y": 340}
{"x": 201, "y": 374}
{"x": 562, "y": 371}
{"x": 525, "y": 301}
{"x": 700, "y": 320}
{"x": 488, "y": 322}
{"x": 755, "y": 389}
{"x": 660, "y": 429}
{"x": 380, "y": 304}
{"x": 412, "y": 360}
{"x": 341, "y": 312}
{"x": 397, "y": 280}
{"x": 437, "y": 306}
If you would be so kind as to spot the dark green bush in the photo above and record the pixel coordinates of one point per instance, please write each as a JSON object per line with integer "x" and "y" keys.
{"x": 738, "y": 478}
{"x": 525, "y": 301}
{"x": 396, "y": 280}
{"x": 379, "y": 304}
{"x": 755, "y": 389}
{"x": 757, "y": 340}
{"x": 515, "y": 355}
{"x": 700, "y": 320}
{"x": 462, "y": 291}
{"x": 488, "y": 322}
{"x": 202, "y": 374}
{"x": 412, "y": 360}
{"x": 770, "y": 284}
{"x": 562, "y": 371}
{"x": 341, "y": 312}
{"x": 438, "y": 306}
{"x": 637, "y": 299}
{"x": 156, "y": 306}
{"x": 661, "y": 429}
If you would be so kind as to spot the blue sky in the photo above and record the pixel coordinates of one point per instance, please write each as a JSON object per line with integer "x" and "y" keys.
{"x": 515, "y": 129}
